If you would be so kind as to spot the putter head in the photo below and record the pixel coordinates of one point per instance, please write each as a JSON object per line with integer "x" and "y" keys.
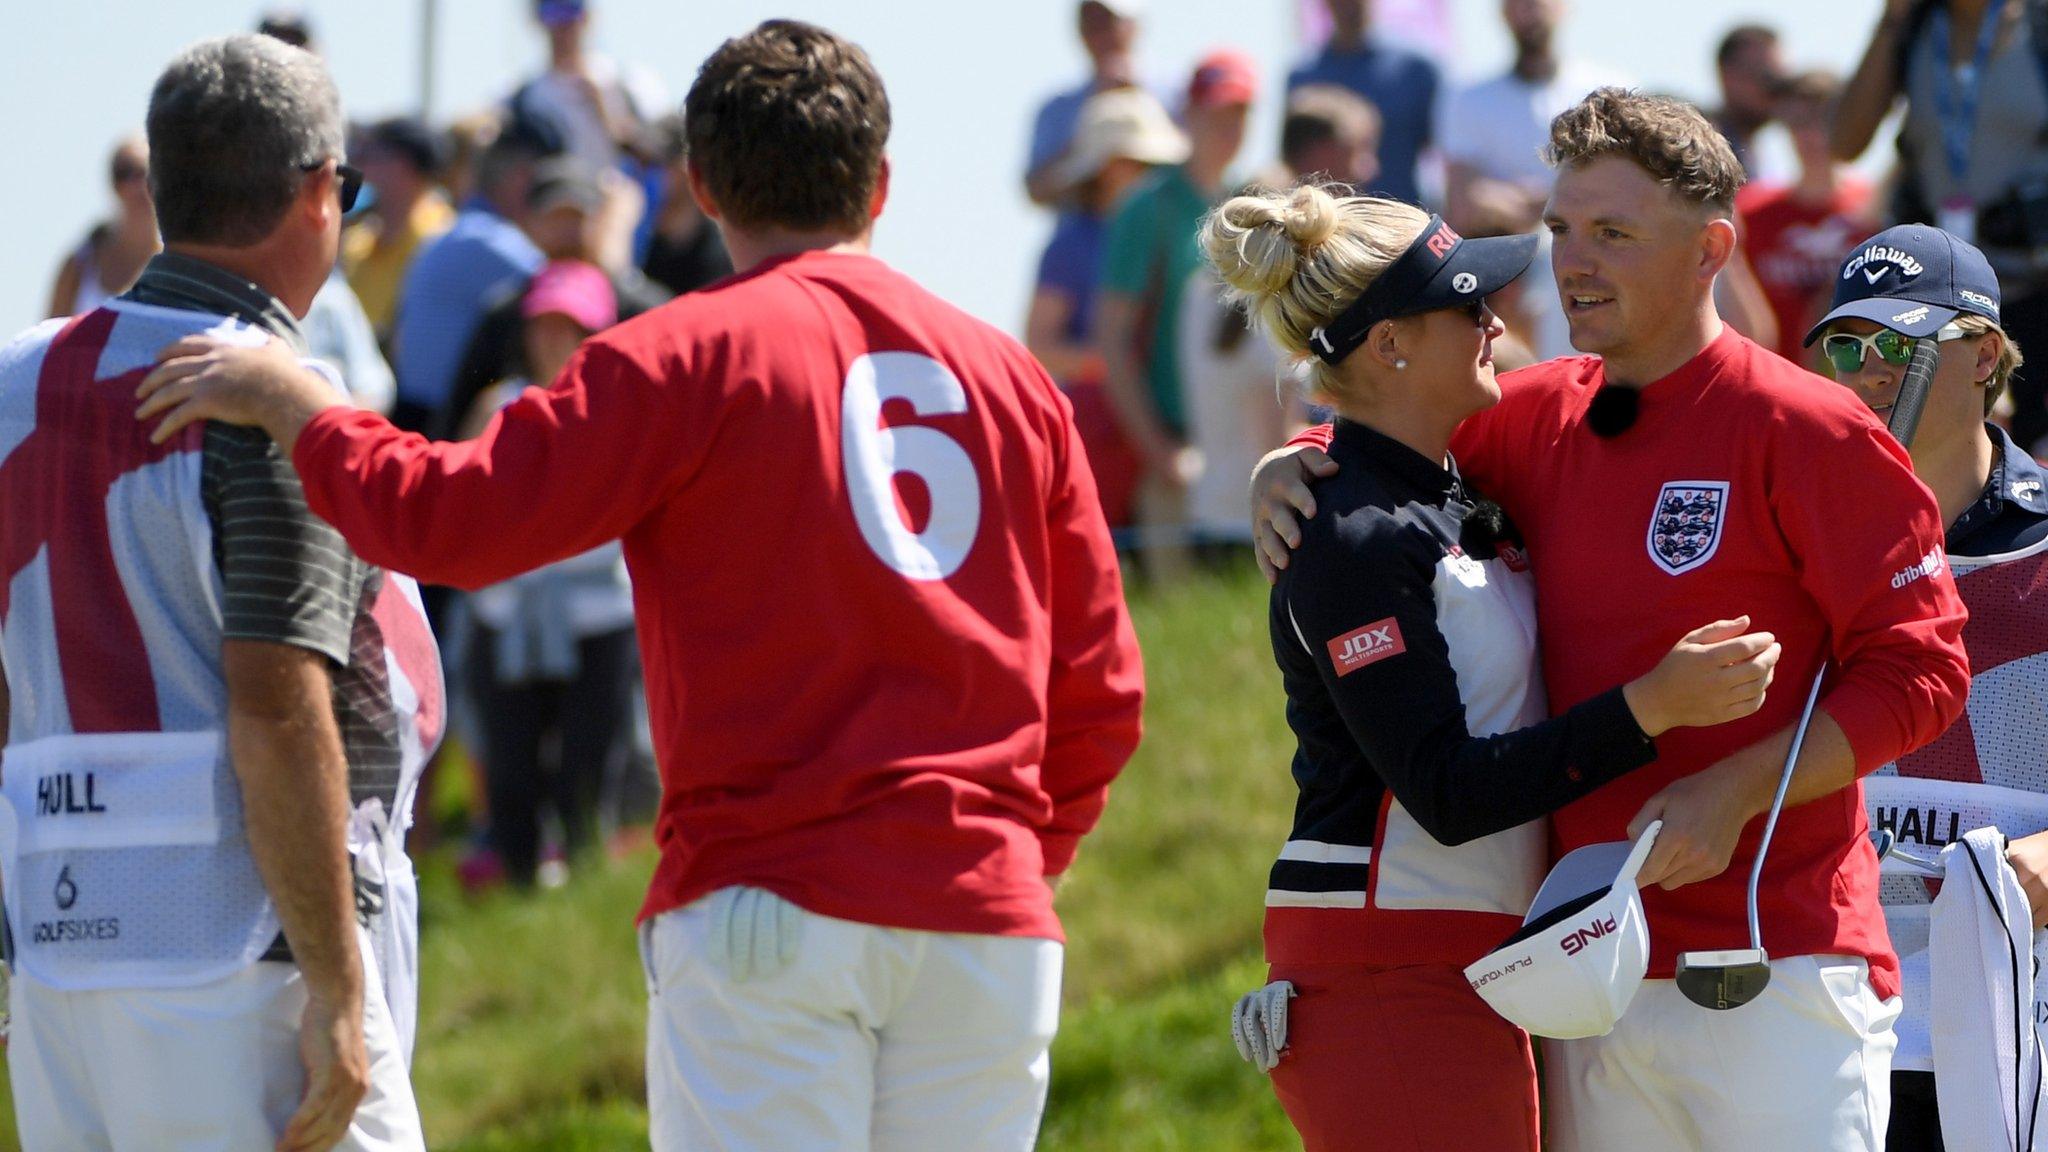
{"x": 1723, "y": 980}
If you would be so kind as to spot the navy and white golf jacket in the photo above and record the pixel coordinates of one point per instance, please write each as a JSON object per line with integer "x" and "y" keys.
{"x": 1405, "y": 631}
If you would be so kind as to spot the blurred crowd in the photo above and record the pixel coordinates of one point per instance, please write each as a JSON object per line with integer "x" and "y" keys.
{"x": 484, "y": 252}
{"x": 487, "y": 248}
{"x": 1177, "y": 400}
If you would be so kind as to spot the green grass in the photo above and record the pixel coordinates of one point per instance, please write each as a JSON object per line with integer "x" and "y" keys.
{"x": 533, "y": 1009}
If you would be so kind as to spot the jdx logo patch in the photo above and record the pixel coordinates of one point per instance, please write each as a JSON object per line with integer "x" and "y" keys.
{"x": 1372, "y": 643}
{"x": 1685, "y": 530}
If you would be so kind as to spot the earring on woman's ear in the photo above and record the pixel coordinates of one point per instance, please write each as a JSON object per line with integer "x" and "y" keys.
{"x": 1400, "y": 364}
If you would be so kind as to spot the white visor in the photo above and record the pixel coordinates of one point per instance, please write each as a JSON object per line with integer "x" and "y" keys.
{"x": 1574, "y": 965}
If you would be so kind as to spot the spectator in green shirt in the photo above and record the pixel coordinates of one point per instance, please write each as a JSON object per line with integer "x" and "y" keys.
{"x": 1151, "y": 253}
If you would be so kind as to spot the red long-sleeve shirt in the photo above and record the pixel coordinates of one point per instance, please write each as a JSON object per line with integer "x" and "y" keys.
{"x": 889, "y": 668}
{"x": 1747, "y": 486}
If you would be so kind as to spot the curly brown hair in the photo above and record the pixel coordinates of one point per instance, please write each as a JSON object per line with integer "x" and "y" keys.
{"x": 1667, "y": 138}
{"x": 786, "y": 126}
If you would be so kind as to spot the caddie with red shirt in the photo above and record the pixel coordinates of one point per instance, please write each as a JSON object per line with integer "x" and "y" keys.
{"x": 1680, "y": 469}
{"x": 890, "y": 682}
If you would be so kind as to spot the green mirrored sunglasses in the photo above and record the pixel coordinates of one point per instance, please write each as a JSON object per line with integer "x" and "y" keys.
{"x": 1846, "y": 352}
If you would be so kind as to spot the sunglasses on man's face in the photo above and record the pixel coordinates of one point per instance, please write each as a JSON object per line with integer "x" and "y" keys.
{"x": 349, "y": 179}
{"x": 1847, "y": 352}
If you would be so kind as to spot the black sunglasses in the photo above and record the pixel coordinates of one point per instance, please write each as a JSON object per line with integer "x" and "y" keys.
{"x": 1476, "y": 310}
{"x": 351, "y": 179}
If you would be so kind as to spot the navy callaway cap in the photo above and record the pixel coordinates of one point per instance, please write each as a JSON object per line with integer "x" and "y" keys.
{"x": 1441, "y": 269}
{"x": 1912, "y": 279}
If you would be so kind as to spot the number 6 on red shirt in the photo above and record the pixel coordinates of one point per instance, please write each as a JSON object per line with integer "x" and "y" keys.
{"x": 872, "y": 456}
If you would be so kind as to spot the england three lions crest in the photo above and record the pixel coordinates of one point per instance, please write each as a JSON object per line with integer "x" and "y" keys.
{"x": 1685, "y": 529}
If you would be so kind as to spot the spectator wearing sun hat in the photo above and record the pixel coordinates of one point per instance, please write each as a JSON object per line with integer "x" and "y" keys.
{"x": 1122, "y": 135}
{"x": 1109, "y": 34}
{"x": 1150, "y": 254}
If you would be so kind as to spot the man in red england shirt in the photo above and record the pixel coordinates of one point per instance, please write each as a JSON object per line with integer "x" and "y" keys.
{"x": 1795, "y": 234}
{"x": 1681, "y": 468}
{"x": 889, "y": 698}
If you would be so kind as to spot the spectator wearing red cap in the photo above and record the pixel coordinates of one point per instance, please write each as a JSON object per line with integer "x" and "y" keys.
{"x": 551, "y": 654}
{"x": 1151, "y": 253}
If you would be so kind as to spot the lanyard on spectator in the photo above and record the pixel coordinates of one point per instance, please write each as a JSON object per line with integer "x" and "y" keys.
{"x": 1961, "y": 88}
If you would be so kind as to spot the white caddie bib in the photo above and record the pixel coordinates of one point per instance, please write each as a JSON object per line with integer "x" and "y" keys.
{"x": 127, "y": 865}
{"x": 1932, "y": 814}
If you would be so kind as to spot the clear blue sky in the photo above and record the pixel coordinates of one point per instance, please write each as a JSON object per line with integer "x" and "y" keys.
{"x": 963, "y": 78}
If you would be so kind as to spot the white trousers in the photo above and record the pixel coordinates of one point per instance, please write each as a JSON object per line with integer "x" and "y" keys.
{"x": 213, "y": 1068}
{"x": 1805, "y": 1067}
{"x": 871, "y": 1038}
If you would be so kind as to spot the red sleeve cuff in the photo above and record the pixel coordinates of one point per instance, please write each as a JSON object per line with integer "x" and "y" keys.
{"x": 1317, "y": 436}
{"x": 1059, "y": 849}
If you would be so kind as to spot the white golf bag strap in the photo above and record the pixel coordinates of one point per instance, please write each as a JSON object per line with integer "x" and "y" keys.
{"x": 387, "y": 900}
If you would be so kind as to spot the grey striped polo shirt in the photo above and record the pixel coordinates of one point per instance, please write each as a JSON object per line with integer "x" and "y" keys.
{"x": 286, "y": 576}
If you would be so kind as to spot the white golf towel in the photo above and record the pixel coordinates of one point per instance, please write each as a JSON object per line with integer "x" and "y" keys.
{"x": 1987, "y": 1053}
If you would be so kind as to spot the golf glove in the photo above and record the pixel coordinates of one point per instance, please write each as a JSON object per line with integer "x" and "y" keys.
{"x": 754, "y": 933}
{"x": 1259, "y": 1024}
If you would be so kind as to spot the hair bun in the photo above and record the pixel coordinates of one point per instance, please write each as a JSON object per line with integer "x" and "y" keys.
{"x": 1311, "y": 216}
{"x": 1258, "y": 241}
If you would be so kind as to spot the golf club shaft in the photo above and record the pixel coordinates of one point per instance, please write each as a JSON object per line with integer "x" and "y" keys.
{"x": 1912, "y": 398}
{"x": 1763, "y": 847}
{"x": 1904, "y": 422}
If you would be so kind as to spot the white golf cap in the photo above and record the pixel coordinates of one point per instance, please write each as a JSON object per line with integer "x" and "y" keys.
{"x": 1575, "y": 964}
{"x": 1128, "y": 9}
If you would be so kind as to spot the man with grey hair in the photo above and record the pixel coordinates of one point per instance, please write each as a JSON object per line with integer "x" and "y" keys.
{"x": 215, "y": 712}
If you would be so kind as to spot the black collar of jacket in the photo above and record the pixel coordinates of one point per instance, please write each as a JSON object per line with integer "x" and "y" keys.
{"x": 2013, "y": 508}
{"x": 1396, "y": 459}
